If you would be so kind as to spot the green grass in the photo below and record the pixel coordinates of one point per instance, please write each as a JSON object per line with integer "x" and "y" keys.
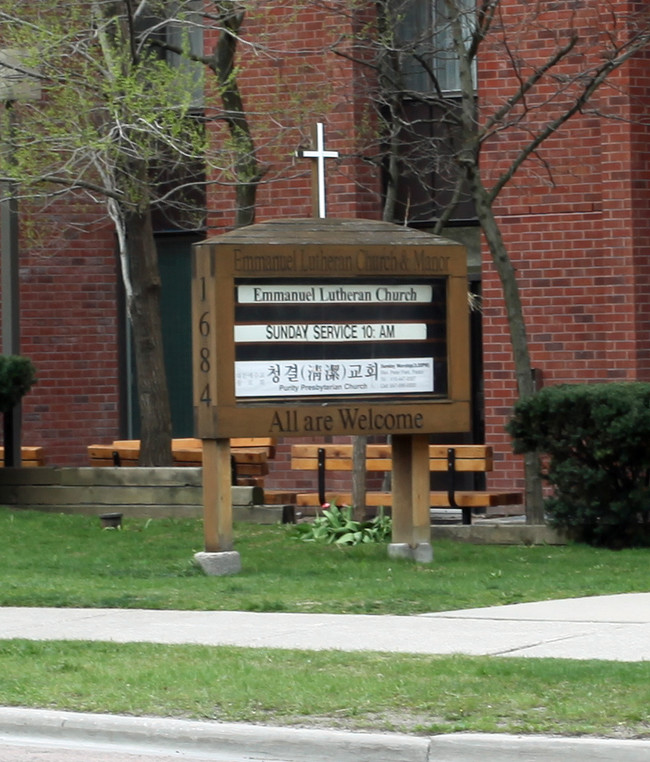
{"x": 361, "y": 691}
{"x": 59, "y": 560}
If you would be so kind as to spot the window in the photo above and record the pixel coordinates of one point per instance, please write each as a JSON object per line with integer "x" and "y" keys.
{"x": 445, "y": 59}
{"x": 424, "y": 181}
{"x": 186, "y": 33}
{"x": 424, "y": 32}
{"x": 172, "y": 31}
{"x": 178, "y": 25}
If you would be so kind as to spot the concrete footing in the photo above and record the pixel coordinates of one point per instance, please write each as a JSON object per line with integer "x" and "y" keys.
{"x": 422, "y": 553}
{"x": 219, "y": 564}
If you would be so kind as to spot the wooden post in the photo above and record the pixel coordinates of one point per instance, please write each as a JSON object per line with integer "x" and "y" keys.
{"x": 411, "y": 522}
{"x": 217, "y": 495}
{"x": 359, "y": 476}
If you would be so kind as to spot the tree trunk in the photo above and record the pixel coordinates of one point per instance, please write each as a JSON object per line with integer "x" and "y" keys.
{"x": 245, "y": 195}
{"x": 247, "y": 170}
{"x": 144, "y": 311}
{"x": 359, "y": 477}
{"x": 517, "y": 326}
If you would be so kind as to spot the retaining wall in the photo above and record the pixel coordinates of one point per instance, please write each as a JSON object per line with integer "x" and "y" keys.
{"x": 134, "y": 492}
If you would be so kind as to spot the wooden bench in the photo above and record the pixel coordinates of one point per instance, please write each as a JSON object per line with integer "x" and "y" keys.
{"x": 250, "y": 458}
{"x": 451, "y": 460}
{"x": 31, "y": 457}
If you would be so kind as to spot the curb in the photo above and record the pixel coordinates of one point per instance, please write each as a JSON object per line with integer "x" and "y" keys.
{"x": 259, "y": 742}
{"x": 239, "y": 741}
{"x": 488, "y": 747}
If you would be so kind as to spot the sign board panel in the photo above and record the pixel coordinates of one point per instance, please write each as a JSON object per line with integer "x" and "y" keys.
{"x": 309, "y": 327}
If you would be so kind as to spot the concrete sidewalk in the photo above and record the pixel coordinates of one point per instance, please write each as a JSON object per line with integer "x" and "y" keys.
{"x": 606, "y": 627}
{"x": 615, "y": 627}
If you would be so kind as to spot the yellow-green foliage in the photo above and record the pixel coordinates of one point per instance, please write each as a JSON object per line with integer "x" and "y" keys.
{"x": 109, "y": 102}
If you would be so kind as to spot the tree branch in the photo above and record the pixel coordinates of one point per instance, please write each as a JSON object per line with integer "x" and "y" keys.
{"x": 529, "y": 84}
{"x": 594, "y": 82}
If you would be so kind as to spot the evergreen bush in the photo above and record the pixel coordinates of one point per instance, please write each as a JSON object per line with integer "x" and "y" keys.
{"x": 594, "y": 440}
{"x": 17, "y": 376}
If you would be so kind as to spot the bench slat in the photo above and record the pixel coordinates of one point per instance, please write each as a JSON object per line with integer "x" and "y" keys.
{"x": 252, "y": 469}
{"x": 29, "y": 456}
{"x": 250, "y": 455}
{"x": 340, "y": 464}
{"x": 101, "y": 452}
{"x": 186, "y": 451}
{"x": 385, "y": 451}
{"x": 386, "y": 464}
{"x": 268, "y": 442}
{"x": 485, "y": 499}
{"x": 186, "y": 455}
{"x": 240, "y": 456}
{"x": 195, "y": 442}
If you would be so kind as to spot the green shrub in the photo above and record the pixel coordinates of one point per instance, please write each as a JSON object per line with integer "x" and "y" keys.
{"x": 594, "y": 440}
{"x": 17, "y": 376}
{"x": 336, "y": 525}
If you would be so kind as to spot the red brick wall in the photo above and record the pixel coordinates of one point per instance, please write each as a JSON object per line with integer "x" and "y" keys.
{"x": 575, "y": 221}
{"x": 639, "y": 88}
{"x": 69, "y": 330}
{"x": 289, "y": 81}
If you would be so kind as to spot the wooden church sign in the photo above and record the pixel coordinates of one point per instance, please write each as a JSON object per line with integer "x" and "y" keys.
{"x": 329, "y": 327}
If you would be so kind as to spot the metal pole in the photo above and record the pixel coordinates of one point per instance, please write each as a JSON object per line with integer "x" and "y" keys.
{"x": 10, "y": 289}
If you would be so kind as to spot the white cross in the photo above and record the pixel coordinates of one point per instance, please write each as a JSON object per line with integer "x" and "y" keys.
{"x": 319, "y": 154}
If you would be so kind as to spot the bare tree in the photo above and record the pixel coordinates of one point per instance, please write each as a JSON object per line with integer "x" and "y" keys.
{"x": 121, "y": 118}
{"x": 423, "y": 58}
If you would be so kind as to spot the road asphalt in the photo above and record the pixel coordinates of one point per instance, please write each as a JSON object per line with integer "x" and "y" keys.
{"x": 613, "y": 628}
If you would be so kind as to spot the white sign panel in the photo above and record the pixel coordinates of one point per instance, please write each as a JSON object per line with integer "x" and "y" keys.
{"x": 287, "y": 378}
{"x": 330, "y": 332}
{"x": 335, "y": 294}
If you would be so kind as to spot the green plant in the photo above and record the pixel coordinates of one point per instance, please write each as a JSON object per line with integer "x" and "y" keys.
{"x": 17, "y": 376}
{"x": 336, "y": 525}
{"x": 595, "y": 443}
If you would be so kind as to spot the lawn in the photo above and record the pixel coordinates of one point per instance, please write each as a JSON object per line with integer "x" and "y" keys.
{"x": 62, "y": 560}
{"x": 58, "y": 560}
{"x": 360, "y": 691}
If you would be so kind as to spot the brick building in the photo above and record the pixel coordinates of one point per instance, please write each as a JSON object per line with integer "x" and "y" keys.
{"x": 574, "y": 218}
{"x": 575, "y": 221}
